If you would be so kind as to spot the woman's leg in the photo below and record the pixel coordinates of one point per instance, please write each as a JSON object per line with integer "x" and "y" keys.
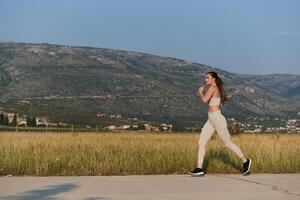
{"x": 206, "y": 133}
{"x": 222, "y": 130}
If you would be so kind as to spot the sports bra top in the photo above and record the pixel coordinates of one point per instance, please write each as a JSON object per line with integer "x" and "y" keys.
{"x": 215, "y": 101}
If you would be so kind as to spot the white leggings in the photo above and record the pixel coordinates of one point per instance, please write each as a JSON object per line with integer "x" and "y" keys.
{"x": 216, "y": 122}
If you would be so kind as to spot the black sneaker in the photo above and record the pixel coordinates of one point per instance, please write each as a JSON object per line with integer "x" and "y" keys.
{"x": 197, "y": 172}
{"x": 246, "y": 166}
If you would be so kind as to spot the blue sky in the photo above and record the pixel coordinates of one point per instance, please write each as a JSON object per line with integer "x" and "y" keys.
{"x": 241, "y": 36}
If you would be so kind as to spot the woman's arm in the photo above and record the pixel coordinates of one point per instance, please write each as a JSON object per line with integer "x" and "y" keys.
{"x": 205, "y": 97}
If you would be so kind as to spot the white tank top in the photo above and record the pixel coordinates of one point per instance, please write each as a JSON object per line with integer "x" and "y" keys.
{"x": 215, "y": 101}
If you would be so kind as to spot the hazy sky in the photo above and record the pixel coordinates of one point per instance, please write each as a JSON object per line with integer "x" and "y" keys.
{"x": 241, "y": 36}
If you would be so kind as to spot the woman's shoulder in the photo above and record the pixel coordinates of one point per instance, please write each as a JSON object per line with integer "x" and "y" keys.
{"x": 213, "y": 87}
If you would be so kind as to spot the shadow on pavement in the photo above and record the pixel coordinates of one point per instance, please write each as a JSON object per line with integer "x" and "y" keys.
{"x": 220, "y": 155}
{"x": 47, "y": 193}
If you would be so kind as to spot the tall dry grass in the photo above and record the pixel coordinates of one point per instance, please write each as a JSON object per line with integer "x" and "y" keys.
{"x": 141, "y": 153}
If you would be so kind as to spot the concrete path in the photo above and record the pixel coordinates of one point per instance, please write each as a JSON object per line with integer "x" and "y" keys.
{"x": 165, "y": 187}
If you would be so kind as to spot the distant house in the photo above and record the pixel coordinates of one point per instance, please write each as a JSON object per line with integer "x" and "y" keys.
{"x": 119, "y": 116}
{"x": 257, "y": 130}
{"x": 291, "y": 124}
{"x": 125, "y": 127}
{"x": 41, "y": 121}
{"x": 101, "y": 115}
{"x": 166, "y": 127}
{"x": 22, "y": 123}
{"x": 269, "y": 130}
{"x": 110, "y": 127}
{"x": 231, "y": 119}
{"x": 62, "y": 124}
{"x": 149, "y": 127}
{"x": 10, "y": 117}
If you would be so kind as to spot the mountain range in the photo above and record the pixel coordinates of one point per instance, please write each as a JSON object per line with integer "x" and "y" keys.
{"x": 75, "y": 84}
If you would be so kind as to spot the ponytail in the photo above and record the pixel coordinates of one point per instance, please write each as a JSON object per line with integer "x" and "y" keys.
{"x": 220, "y": 85}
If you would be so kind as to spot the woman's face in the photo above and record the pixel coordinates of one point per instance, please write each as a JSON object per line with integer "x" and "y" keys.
{"x": 209, "y": 79}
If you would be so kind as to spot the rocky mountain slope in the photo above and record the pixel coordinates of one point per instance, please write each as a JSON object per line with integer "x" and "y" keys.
{"x": 74, "y": 84}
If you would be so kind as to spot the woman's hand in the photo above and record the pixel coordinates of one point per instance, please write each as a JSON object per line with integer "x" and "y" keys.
{"x": 200, "y": 89}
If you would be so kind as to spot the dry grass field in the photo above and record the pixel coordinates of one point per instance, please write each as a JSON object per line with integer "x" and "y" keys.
{"x": 48, "y": 154}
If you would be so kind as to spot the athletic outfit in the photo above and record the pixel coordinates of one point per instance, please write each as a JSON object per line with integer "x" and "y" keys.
{"x": 217, "y": 122}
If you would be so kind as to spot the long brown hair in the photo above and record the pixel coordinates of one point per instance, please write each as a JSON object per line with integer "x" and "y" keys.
{"x": 220, "y": 85}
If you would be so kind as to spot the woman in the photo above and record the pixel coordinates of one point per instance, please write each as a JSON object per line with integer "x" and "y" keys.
{"x": 216, "y": 122}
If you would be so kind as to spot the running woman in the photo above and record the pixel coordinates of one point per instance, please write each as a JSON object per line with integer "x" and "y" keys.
{"x": 216, "y": 97}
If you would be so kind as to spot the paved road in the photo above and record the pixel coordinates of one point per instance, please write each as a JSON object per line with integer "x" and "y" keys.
{"x": 165, "y": 187}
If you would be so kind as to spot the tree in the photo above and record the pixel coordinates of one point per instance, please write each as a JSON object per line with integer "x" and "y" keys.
{"x": 33, "y": 121}
{"x": 1, "y": 119}
{"x": 141, "y": 126}
{"x": 28, "y": 121}
{"x": 14, "y": 121}
{"x": 178, "y": 127}
{"x": 235, "y": 128}
{"x": 5, "y": 122}
{"x": 161, "y": 128}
